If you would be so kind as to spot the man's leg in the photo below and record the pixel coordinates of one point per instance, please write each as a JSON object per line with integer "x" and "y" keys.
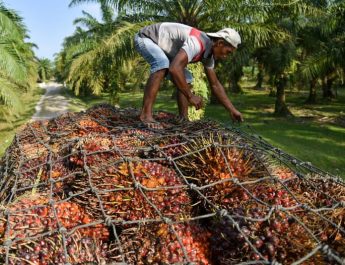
{"x": 182, "y": 100}
{"x": 150, "y": 94}
{"x": 183, "y": 104}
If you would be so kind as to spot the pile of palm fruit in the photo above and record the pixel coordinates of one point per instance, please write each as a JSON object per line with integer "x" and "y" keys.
{"x": 97, "y": 187}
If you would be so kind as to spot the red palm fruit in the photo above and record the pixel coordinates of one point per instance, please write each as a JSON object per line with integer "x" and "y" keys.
{"x": 282, "y": 172}
{"x": 80, "y": 249}
{"x": 33, "y": 216}
{"x": 217, "y": 161}
{"x": 129, "y": 142}
{"x": 158, "y": 244}
{"x": 266, "y": 237}
{"x": 96, "y": 149}
{"x": 166, "y": 148}
{"x": 128, "y": 203}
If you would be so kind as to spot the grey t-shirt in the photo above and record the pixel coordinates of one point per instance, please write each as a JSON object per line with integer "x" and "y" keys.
{"x": 171, "y": 37}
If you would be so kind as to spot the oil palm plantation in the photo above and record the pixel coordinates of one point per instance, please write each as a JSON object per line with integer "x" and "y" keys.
{"x": 269, "y": 30}
{"x": 209, "y": 15}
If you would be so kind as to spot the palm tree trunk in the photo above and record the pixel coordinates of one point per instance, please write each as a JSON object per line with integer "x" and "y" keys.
{"x": 327, "y": 87}
{"x": 260, "y": 77}
{"x": 234, "y": 80}
{"x": 281, "y": 108}
{"x": 312, "y": 92}
{"x": 271, "y": 81}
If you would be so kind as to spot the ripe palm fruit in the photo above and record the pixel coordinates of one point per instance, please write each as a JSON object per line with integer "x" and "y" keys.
{"x": 129, "y": 142}
{"x": 277, "y": 238}
{"x": 95, "y": 148}
{"x": 135, "y": 191}
{"x": 217, "y": 162}
{"x": 164, "y": 244}
{"x": 35, "y": 215}
{"x": 33, "y": 226}
{"x": 50, "y": 249}
{"x": 285, "y": 235}
{"x": 315, "y": 193}
{"x": 165, "y": 148}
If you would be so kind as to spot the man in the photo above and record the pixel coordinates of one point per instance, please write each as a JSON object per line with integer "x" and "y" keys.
{"x": 168, "y": 48}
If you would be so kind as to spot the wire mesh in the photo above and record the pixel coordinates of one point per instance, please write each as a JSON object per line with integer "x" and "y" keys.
{"x": 97, "y": 188}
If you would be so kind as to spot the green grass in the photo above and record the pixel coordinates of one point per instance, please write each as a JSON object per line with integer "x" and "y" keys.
{"x": 10, "y": 125}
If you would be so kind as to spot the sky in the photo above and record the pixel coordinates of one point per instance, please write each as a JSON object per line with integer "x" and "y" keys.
{"x": 49, "y": 21}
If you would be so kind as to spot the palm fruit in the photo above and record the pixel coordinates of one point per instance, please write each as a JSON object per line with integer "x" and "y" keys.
{"x": 164, "y": 244}
{"x": 217, "y": 163}
{"x": 95, "y": 148}
{"x": 165, "y": 148}
{"x": 35, "y": 215}
{"x": 313, "y": 194}
{"x": 285, "y": 234}
{"x": 135, "y": 191}
{"x": 131, "y": 142}
{"x": 50, "y": 249}
{"x": 33, "y": 226}
{"x": 263, "y": 232}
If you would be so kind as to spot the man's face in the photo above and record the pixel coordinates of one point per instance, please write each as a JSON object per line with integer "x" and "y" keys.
{"x": 222, "y": 49}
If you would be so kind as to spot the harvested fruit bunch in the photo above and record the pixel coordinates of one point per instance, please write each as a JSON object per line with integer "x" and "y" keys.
{"x": 35, "y": 215}
{"x": 130, "y": 142}
{"x": 95, "y": 148}
{"x": 217, "y": 163}
{"x": 164, "y": 148}
{"x": 33, "y": 226}
{"x": 159, "y": 192}
{"x": 279, "y": 238}
{"x": 284, "y": 235}
{"x": 164, "y": 244}
{"x": 50, "y": 249}
{"x": 328, "y": 224}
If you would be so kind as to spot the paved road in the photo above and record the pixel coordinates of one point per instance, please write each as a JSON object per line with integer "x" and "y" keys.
{"x": 52, "y": 103}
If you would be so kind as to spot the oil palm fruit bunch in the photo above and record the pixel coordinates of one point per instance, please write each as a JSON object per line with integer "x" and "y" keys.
{"x": 164, "y": 244}
{"x": 166, "y": 148}
{"x": 280, "y": 221}
{"x": 216, "y": 163}
{"x": 135, "y": 191}
{"x": 36, "y": 231}
{"x": 50, "y": 249}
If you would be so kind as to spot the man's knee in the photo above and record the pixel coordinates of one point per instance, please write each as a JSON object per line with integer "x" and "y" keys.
{"x": 159, "y": 74}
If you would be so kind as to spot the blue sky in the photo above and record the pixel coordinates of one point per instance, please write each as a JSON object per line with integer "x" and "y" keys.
{"x": 49, "y": 21}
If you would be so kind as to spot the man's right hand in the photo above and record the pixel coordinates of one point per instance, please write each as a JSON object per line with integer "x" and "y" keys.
{"x": 196, "y": 101}
{"x": 236, "y": 115}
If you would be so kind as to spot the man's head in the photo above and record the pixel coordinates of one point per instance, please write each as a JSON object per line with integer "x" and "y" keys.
{"x": 225, "y": 42}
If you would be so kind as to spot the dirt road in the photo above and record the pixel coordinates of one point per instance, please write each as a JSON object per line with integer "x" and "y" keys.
{"x": 52, "y": 103}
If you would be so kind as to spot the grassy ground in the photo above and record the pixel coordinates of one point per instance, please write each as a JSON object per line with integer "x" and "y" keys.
{"x": 11, "y": 124}
{"x": 313, "y": 134}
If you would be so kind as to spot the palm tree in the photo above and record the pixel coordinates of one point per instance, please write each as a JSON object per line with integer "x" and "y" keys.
{"x": 45, "y": 69}
{"x": 326, "y": 50}
{"x": 17, "y": 63}
{"x": 93, "y": 57}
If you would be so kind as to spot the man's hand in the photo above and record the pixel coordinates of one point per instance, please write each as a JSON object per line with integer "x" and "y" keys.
{"x": 236, "y": 115}
{"x": 196, "y": 101}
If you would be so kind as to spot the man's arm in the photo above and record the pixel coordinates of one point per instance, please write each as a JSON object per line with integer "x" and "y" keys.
{"x": 219, "y": 92}
{"x": 176, "y": 71}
